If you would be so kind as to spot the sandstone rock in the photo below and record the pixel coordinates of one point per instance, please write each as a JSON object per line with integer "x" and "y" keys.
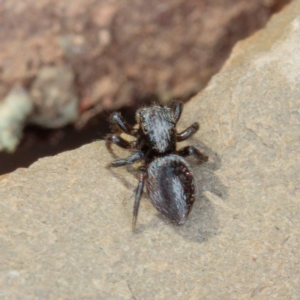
{"x": 66, "y": 220}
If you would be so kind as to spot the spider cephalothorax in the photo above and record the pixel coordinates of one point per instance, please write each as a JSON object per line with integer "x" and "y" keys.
{"x": 170, "y": 183}
{"x": 157, "y": 132}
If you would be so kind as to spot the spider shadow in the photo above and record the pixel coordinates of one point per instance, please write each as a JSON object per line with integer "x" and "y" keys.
{"x": 202, "y": 223}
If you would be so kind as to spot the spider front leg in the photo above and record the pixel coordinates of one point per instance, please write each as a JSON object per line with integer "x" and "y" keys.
{"x": 138, "y": 195}
{"x": 177, "y": 110}
{"x": 188, "y": 132}
{"x": 113, "y": 138}
{"x": 191, "y": 150}
{"x": 136, "y": 156}
{"x": 117, "y": 119}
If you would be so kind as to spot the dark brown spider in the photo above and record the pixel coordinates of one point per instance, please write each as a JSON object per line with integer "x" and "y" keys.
{"x": 170, "y": 183}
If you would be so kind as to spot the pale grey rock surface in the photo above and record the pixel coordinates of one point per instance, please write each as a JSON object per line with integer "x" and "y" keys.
{"x": 66, "y": 221}
{"x": 14, "y": 111}
{"x": 52, "y": 102}
{"x": 54, "y": 95}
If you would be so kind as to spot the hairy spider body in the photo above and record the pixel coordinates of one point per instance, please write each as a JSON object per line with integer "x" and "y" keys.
{"x": 169, "y": 181}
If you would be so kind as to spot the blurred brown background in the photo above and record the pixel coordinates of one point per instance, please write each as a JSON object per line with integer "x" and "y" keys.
{"x": 65, "y": 65}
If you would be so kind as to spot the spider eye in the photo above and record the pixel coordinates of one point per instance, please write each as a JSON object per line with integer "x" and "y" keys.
{"x": 138, "y": 117}
{"x": 145, "y": 129}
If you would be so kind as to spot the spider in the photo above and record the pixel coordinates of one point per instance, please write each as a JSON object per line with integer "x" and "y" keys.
{"x": 169, "y": 181}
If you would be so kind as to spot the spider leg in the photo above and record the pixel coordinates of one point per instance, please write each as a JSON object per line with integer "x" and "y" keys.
{"x": 117, "y": 119}
{"x": 191, "y": 150}
{"x": 138, "y": 196}
{"x": 187, "y": 132}
{"x": 136, "y": 156}
{"x": 113, "y": 138}
{"x": 177, "y": 110}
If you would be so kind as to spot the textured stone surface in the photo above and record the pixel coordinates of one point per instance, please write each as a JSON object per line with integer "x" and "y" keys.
{"x": 65, "y": 221}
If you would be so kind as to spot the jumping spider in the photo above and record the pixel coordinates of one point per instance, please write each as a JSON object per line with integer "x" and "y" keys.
{"x": 170, "y": 183}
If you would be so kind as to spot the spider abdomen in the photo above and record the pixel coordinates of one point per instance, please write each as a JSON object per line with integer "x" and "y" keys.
{"x": 171, "y": 187}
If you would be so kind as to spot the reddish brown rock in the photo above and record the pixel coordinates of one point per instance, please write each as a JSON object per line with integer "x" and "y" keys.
{"x": 120, "y": 51}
